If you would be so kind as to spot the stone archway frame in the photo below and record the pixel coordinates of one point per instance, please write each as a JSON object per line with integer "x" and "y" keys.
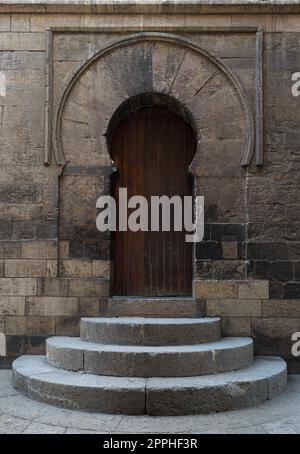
{"x": 154, "y": 37}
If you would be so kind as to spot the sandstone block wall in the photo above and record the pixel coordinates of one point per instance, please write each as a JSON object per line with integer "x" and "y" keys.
{"x": 54, "y": 162}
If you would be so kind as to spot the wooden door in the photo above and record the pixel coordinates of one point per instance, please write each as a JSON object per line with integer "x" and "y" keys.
{"x": 152, "y": 149}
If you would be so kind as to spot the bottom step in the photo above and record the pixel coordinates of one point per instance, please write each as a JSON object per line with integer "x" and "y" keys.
{"x": 265, "y": 378}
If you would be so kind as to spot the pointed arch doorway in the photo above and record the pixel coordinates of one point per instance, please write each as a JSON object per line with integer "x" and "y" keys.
{"x": 152, "y": 147}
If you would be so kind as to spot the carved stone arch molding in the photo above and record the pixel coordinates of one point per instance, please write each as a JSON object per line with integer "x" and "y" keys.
{"x": 165, "y": 64}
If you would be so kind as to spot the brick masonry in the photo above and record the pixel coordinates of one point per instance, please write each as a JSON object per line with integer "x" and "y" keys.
{"x": 54, "y": 266}
{"x": 247, "y": 310}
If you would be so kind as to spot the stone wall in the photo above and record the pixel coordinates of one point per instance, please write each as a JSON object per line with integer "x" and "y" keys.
{"x": 54, "y": 266}
{"x": 247, "y": 309}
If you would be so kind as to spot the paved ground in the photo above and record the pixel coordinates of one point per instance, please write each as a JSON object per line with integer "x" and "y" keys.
{"x": 19, "y": 414}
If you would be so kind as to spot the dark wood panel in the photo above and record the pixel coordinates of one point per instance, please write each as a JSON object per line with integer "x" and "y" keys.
{"x": 152, "y": 150}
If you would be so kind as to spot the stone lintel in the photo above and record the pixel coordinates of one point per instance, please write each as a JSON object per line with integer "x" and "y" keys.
{"x": 146, "y": 7}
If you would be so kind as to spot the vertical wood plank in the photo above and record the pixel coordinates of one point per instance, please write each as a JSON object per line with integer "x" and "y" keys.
{"x": 152, "y": 149}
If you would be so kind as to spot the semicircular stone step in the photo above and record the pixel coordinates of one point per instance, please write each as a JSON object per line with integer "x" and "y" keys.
{"x": 262, "y": 380}
{"x": 150, "y": 331}
{"x": 142, "y": 361}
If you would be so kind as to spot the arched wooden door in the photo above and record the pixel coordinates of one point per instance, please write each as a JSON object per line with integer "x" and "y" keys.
{"x": 152, "y": 149}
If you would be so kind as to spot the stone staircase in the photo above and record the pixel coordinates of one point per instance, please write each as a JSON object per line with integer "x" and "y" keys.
{"x": 159, "y": 357}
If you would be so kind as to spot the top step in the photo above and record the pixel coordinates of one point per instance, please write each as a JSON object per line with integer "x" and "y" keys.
{"x": 154, "y": 307}
{"x": 150, "y": 331}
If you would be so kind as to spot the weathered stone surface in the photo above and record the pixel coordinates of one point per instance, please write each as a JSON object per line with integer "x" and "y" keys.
{"x": 53, "y": 287}
{"x": 89, "y": 287}
{"x": 155, "y": 396}
{"x": 275, "y": 327}
{"x": 215, "y": 289}
{"x": 75, "y": 268}
{"x": 68, "y": 358}
{"x": 78, "y": 222}
{"x": 20, "y": 22}
{"x": 10, "y": 249}
{"x": 52, "y": 268}
{"x": 28, "y": 326}
{"x": 226, "y": 206}
{"x": 5, "y": 22}
{"x": 10, "y": 305}
{"x": 48, "y": 305}
{"x": 233, "y": 308}
{"x": 84, "y": 268}
{"x": 63, "y": 250}
{"x": 275, "y": 336}
{"x": 229, "y": 232}
{"x": 18, "y": 286}
{"x": 25, "y": 268}
{"x": 144, "y": 361}
{"x": 190, "y": 78}
{"x": 230, "y": 249}
{"x": 14, "y": 345}
{"x": 147, "y": 331}
{"x": 194, "y": 395}
{"x": 40, "y": 22}
{"x": 277, "y": 271}
{"x": 88, "y": 392}
{"x": 253, "y": 289}
{"x": 39, "y": 249}
{"x": 154, "y": 307}
{"x": 67, "y": 325}
{"x": 236, "y": 326}
{"x": 21, "y": 213}
{"x": 15, "y": 60}
{"x": 229, "y": 269}
{"x": 281, "y": 308}
{"x": 23, "y": 41}
{"x": 101, "y": 268}
{"x": 165, "y": 64}
{"x": 89, "y": 306}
